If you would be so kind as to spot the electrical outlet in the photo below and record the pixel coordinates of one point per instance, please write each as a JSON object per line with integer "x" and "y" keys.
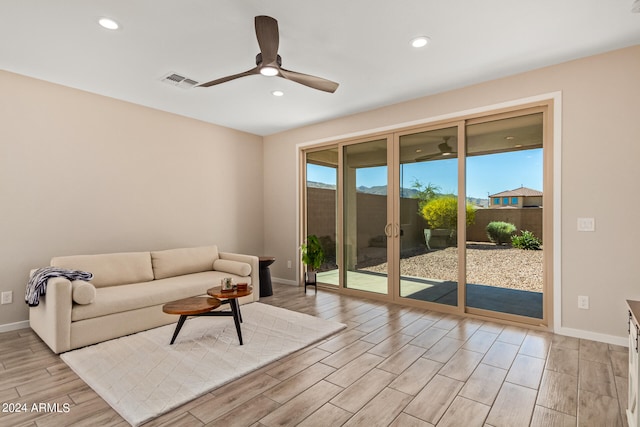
{"x": 7, "y": 297}
{"x": 289, "y": 264}
{"x": 586, "y": 224}
{"x": 583, "y": 302}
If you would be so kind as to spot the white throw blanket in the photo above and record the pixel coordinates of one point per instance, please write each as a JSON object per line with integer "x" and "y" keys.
{"x": 38, "y": 282}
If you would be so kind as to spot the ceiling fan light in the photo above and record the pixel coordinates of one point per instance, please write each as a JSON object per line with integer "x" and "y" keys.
{"x": 108, "y": 23}
{"x": 421, "y": 41}
{"x": 269, "y": 71}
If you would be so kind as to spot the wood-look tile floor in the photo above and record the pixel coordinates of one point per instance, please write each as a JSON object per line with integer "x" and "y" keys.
{"x": 391, "y": 366}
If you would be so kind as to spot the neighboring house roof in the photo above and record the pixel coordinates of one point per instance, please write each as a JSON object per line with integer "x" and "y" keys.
{"x": 522, "y": 191}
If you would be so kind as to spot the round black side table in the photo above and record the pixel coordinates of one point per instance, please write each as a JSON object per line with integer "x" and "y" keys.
{"x": 266, "y": 290}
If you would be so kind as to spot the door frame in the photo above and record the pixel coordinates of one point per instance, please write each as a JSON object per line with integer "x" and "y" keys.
{"x": 551, "y": 103}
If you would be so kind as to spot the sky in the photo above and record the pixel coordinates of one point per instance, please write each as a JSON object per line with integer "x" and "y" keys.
{"x": 488, "y": 174}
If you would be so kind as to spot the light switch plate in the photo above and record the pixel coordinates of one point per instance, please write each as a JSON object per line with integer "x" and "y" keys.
{"x": 583, "y": 302}
{"x": 586, "y": 224}
{"x": 7, "y": 297}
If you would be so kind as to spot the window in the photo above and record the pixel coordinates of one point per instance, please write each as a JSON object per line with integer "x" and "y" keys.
{"x": 514, "y": 200}
{"x": 505, "y": 201}
{"x": 496, "y": 200}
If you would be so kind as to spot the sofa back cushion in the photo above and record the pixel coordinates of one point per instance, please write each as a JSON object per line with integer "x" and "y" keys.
{"x": 177, "y": 262}
{"x": 110, "y": 269}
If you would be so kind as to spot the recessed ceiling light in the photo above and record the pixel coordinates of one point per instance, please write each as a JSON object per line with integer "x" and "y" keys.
{"x": 421, "y": 41}
{"x": 419, "y": 150}
{"x": 108, "y": 23}
{"x": 509, "y": 138}
{"x": 277, "y": 93}
{"x": 269, "y": 71}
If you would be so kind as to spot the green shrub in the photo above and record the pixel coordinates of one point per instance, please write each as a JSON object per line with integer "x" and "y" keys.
{"x": 442, "y": 212}
{"x": 500, "y": 232}
{"x": 526, "y": 241}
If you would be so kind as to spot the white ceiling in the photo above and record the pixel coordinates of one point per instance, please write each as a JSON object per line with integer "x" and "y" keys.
{"x": 361, "y": 44}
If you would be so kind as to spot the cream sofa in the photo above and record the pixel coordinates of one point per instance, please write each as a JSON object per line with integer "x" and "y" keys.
{"x": 128, "y": 290}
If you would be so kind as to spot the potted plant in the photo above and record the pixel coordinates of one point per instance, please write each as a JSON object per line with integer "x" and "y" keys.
{"x": 312, "y": 257}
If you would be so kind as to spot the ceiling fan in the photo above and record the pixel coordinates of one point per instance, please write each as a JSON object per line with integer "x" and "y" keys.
{"x": 268, "y": 62}
{"x": 444, "y": 151}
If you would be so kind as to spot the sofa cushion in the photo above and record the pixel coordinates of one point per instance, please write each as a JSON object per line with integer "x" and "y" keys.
{"x": 110, "y": 269}
{"x": 176, "y": 262}
{"x": 234, "y": 267}
{"x": 118, "y": 299}
{"x": 82, "y": 292}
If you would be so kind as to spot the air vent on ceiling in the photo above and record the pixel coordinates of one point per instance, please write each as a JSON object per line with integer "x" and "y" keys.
{"x": 178, "y": 80}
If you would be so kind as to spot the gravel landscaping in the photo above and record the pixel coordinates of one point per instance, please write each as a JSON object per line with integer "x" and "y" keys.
{"x": 487, "y": 264}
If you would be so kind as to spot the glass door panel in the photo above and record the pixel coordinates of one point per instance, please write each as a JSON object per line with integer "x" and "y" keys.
{"x": 504, "y": 177}
{"x": 428, "y": 216}
{"x": 321, "y": 208}
{"x": 365, "y": 224}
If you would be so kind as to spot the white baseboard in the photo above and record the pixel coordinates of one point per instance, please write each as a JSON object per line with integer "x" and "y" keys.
{"x": 14, "y": 326}
{"x": 284, "y": 281}
{"x": 594, "y": 336}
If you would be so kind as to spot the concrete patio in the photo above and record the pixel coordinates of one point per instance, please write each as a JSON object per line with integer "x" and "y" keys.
{"x": 503, "y": 300}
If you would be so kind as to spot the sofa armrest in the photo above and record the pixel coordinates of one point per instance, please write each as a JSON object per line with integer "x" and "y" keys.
{"x": 255, "y": 272}
{"x": 51, "y": 319}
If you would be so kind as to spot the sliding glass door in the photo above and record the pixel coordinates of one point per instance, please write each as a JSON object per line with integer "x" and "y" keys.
{"x": 504, "y": 243}
{"x": 449, "y": 216}
{"x": 366, "y": 228}
{"x": 428, "y": 196}
{"x": 321, "y": 190}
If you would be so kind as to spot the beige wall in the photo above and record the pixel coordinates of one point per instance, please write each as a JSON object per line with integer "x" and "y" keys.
{"x": 600, "y": 151}
{"x": 82, "y": 173}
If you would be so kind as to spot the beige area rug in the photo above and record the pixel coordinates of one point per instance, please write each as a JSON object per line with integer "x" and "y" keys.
{"x": 141, "y": 376}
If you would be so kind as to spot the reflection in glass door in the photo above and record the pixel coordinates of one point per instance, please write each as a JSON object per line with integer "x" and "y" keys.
{"x": 428, "y": 216}
{"x": 365, "y": 212}
{"x": 504, "y": 256}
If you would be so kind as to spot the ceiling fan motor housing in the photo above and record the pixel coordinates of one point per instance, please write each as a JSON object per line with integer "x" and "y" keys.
{"x": 259, "y": 60}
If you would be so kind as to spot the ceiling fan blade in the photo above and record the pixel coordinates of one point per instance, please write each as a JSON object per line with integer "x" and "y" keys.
{"x": 445, "y": 153}
{"x": 445, "y": 147}
{"x": 255, "y": 70}
{"x": 427, "y": 157}
{"x": 308, "y": 80}
{"x": 268, "y": 38}
{"x": 435, "y": 156}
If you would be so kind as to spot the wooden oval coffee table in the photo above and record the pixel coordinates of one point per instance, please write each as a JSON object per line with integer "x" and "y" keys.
{"x": 204, "y": 306}
{"x": 193, "y": 306}
{"x": 231, "y": 298}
